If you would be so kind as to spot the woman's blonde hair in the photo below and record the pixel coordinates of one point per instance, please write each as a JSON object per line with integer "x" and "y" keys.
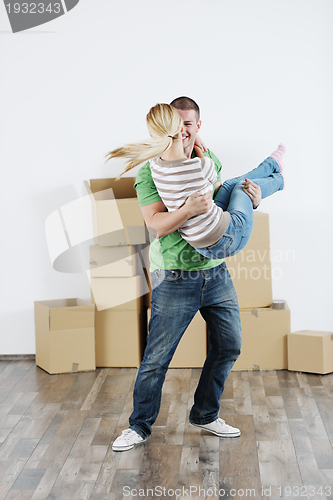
{"x": 164, "y": 125}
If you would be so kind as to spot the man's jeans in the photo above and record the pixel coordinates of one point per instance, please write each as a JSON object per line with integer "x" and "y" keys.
{"x": 231, "y": 198}
{"x": 177, "y": 296}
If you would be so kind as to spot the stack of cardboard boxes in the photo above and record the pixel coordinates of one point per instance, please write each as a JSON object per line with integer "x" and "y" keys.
{"x": 265, "y": 324}
{"x": 117, "y": 278}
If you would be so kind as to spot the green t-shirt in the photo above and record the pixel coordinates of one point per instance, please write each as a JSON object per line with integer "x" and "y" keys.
{"x": 171, "y": 251}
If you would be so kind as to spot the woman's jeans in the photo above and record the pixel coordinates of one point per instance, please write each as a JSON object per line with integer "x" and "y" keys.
{"x": 176, "y": 298}
{"x": 231, "y": 198}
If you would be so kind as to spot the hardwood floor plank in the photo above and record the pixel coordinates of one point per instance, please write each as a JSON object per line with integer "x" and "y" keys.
{"x": 23, "y": 403}
{"x": 314, "y": 380}
{"x": 33, "y": 381}
{"x": 28, "y": 479}
{"x": 265, "y": 430}
{"x": 242, "y": 393}
{"x": 124, "y": 480}
{"x": 238, "y": 456}
{"x": 105, "y": 431}
{"x": 93, "y": 393}
{"x": 14, "y": 436}
{"x": 322, "y": 450}
{"x": 278, "y": 463}
{"x": 160, "y": 466}
{"x": 52, "y": 429}
{"x": 247, "y": 487}
{"x": 276, "y": 409}
{"x": 113, "y": 393}
{"x": 85, "y": 437}
{"x": 107, "y": 472}
{"x": 79, "y": 391}
{"x": 290, "y": 403}
{"x": 56, "y": 388}
{"x": 7, "y": 424}
{"x": 83, "y": 491}
{"x": 63, "y": 440}
{"x": 271, "y": 383}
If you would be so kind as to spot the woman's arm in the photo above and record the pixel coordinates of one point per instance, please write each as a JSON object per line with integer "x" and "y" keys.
{"x": 161, "y": 223}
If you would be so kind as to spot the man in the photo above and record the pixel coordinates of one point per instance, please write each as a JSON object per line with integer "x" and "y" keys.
{"x": 183, "y": 282}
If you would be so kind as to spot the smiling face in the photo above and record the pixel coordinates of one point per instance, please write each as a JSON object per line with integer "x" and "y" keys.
{"x": 190, "y": 129}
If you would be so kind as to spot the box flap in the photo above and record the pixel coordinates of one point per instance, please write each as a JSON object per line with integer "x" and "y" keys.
{"x": 79, "y": 316}
{"x": 122, "y": 188}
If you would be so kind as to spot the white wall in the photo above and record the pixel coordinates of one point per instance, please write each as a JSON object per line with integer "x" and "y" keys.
{"x": 77, "y": 87}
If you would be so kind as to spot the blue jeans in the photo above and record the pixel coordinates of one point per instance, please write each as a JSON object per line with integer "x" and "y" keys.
{"x": 231, "y": 198}
{"x": 177, "y": 296}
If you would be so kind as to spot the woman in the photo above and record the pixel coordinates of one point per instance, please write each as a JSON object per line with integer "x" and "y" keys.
{"x": 225, "y": 229}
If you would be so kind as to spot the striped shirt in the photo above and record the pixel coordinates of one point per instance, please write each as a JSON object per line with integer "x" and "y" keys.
{"x": 176, "y": 181}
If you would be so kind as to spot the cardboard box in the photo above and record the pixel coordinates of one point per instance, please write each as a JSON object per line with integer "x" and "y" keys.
{"x": 123, "y": 293}
{"x": 113, "y": 262}
{"x": 310, "y": 351}
{"x": 120, "y": 337}
{"x": 65, "y": 335}
{"x": 264, "y": 334}
{"x": 117, "y": 218}
{"x": 192, "y": 349}
{"x": 250, "y": 269}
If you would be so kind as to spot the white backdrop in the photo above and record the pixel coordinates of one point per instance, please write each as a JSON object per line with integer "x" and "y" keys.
{"x": 77, "y": 87}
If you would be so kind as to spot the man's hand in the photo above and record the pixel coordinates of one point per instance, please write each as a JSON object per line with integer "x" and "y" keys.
{"x": 198, "y": 204}
{"x": 253, "y": 191}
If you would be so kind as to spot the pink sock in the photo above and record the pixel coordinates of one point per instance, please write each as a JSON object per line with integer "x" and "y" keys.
{"x": 278, "y": 154}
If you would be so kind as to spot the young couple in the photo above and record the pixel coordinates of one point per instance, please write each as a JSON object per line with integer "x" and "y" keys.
{"x": 175, "y": 190}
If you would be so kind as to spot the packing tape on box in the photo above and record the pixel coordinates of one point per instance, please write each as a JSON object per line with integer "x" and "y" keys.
{"x": 278, "y": 304}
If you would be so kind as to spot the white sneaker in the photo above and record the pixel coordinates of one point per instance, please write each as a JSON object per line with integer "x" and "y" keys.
{"x": 127, "y": 440}
{"x": 220, "y": 428}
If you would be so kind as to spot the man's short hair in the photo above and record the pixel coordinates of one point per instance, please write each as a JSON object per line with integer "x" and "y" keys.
{"x": 186, "y": 103}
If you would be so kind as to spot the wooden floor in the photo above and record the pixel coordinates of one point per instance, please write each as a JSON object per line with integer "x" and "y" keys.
{"x": 56, "y": 431}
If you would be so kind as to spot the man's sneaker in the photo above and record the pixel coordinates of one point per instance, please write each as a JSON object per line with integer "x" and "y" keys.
{"x": 127, "y": 440}
{"x": 220, "y": 428}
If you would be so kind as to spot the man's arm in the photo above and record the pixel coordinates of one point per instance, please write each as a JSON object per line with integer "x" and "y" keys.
{"x": 161, "y": 223}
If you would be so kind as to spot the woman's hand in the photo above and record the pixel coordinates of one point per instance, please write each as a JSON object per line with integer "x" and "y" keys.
{"x": 198, "y": 143}
{"x": 253, "y": 191}
{"x": 198, "y": 204}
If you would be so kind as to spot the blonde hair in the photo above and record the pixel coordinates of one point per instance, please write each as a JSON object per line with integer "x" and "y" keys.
{"x": 164, "y": 125}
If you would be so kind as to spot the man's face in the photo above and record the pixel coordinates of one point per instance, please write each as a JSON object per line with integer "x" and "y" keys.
{"x": 190, "y": 128}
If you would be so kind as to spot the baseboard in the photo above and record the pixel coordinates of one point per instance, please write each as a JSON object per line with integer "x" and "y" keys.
{"x": 17, "y": 357}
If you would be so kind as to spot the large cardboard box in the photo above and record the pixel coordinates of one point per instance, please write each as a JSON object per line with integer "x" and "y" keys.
{"x": 310, "y": 351}
{"x": 124, "y": 293}
{"x": 250, "y": 269}
{"x": 192, "y": 349}
{"x": 120, "y": 337}
{"x": 113, "y": 262}
{"x": 65, "y": 335}
{"x": 264, "y": 334}
{"x": 117, "y": 218}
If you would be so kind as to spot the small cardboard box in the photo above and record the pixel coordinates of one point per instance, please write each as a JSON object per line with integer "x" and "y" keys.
{"x": 117, "y": 218}
{"x": 264, "y": 334}
{"x": 120, "y": 337}
{"x": 250, "y": 269}
{"x": 114, "y": 262}
{"x": 310, "y": 351}
{"x": 192, "y": 349}
{"x": 124, "y": 293}
{"x": 65, "y": 335}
